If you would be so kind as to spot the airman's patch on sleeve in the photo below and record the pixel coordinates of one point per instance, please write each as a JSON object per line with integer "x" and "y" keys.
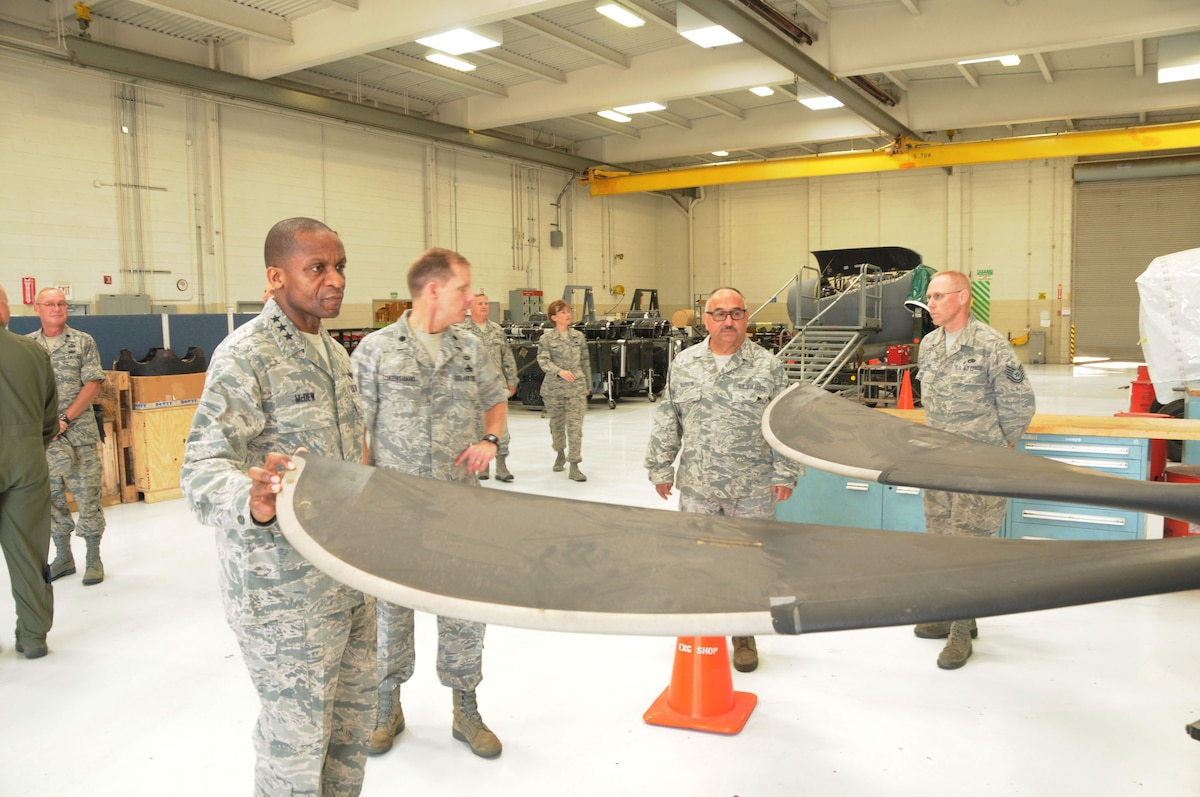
{"x": 1015, "y": 373}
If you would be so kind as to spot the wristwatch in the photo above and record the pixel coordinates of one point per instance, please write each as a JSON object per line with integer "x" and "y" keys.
{"x": 491, "y": 438}
{"x": 62, "y": 416}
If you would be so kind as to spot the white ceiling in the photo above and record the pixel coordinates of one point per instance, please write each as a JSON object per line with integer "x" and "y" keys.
{"x": 1085, "y": 65}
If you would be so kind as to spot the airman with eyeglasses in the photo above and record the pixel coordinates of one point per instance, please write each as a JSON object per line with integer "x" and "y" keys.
{"x": 73, "y": 456}
{"x": 972, "y": 384}
{"x": 710, "y": 419}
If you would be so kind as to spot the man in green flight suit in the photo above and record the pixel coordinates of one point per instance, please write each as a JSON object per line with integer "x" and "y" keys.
{"x": 28, "y": 422}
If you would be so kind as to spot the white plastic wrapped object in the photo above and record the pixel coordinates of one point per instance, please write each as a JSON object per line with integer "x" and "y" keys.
{"x": 1169, "y": 290}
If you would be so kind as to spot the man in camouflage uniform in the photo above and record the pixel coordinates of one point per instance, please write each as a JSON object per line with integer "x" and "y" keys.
{"x": 972, "y": 384}
{"x": 28, "y": 422}
{"x": 74, "y": 456}
{"x": 710, "y": 416}
{"x": 425, "y": 382}
{"x": 495, "y": 342}
{"x": 278, "y": 383}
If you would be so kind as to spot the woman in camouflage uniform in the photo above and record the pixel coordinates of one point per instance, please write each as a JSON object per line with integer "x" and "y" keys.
{"x": 563, "y": 355}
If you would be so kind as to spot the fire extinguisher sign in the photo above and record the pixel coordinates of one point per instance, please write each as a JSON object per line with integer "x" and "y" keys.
{"x": 28, "y": 289}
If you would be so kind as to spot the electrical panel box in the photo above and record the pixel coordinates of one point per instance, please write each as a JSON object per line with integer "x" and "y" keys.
{"x": 522, "y": 304}
{"x": 123, "y": 304}
{"x": 1037, "y": 348}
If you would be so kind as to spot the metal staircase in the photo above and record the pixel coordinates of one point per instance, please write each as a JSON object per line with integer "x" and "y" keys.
{"x": 817, "y": 353}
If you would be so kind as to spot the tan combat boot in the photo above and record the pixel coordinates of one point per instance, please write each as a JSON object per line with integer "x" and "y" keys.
{"x": 502, "y": 473}
{"x": 576, "y": 475}
{"x": 940, "y": 630}
{"x": 958, "y": 646}
{"x": 745, "y": 654}
{"x": 64, "y": 562}
{"x": 93, "y": 571}
{"x": 389, "y": 721}
{"x": 468, "y": 726}
{"x": 560, "y": 462}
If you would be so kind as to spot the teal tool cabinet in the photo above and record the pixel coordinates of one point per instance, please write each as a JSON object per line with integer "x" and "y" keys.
{"x": 830, "y": 499}
{"x": 1120, "y": 456}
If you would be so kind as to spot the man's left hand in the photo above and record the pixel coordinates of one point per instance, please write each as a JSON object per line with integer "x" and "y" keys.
{"x": 780, "y": 492}
{"x": 477, "y": 457}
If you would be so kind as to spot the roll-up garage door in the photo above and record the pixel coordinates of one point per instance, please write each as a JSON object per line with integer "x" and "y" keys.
{"x": 1120, "y": 226}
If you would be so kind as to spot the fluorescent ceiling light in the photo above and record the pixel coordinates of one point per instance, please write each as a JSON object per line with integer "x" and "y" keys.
{"x": 762, "y": 91}
{"x": 450, "y": 61}
{"x": 642, "y": 107}
{"x": 701, "y": 30}
{"x": 620, "y": 14}
{"x": 1179, "y": 58}
{"x": 614, "y": 116}
{"x": 821, "y": 103}
{"x": 463, "y": 40}
{"x": 1005, "y": 60}
{"x": 720, "y": 153}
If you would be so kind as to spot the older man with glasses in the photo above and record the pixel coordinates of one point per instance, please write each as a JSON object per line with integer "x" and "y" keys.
{"x": 74, "y": 454}
{"x": 972, "y": 384}
{"x": 710, "y": 417}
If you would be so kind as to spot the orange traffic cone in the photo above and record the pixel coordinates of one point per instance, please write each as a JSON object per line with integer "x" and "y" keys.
{"x": 701, "y": 693}
{"x": 905, "y": 401}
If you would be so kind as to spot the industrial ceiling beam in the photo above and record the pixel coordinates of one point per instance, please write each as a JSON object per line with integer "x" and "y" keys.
{"x": 231, "y": 16}
{"x": 653, "y": 12}
{"x": 523, "y": 64}
{"x": 739, "y": 20}
{"x": 119, "y": 61}
{"x": 1151, "y": 138}
{"x": 571, "y": 39}
{"x": 721, "y": 106}
{"x": 616, "y": 128}
{"x": 436, "y": 71}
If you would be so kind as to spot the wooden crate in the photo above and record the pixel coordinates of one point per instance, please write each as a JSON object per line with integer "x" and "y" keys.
{"x": 116, "y": 399}
{"x": 159, "y": 438}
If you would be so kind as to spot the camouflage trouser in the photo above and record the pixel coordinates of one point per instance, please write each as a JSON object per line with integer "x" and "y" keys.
{"x": 504, "y": 438}
{"x": 566, "y": 424}
{"x": 963, "y": 514}
{"x": 459, "y": 656}
{"x": 315, "y": 678}
{"x": 76, "y": 469}
{"x": 758, "y": 507}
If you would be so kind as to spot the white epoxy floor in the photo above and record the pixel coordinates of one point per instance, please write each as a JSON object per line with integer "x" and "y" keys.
{"x": 144, "y": 691}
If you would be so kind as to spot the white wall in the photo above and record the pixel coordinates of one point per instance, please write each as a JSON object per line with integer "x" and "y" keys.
{"x": 205, "y": 181}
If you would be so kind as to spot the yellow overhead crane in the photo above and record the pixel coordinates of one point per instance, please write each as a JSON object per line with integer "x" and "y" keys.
{"x": 904, "y": 154}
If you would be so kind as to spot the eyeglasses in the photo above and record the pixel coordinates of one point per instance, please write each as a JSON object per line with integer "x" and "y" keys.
{"x": 937, "y": 297}
{"x": 53, "y": 304}
{"x": 737, "y": 314}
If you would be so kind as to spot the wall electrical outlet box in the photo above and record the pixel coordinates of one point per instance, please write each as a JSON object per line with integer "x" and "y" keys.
{"x": 556, "y": 238}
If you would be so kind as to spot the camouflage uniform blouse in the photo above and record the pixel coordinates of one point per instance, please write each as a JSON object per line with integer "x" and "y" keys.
{"x": 978, "y": 389}
{"x": 713, "y": 421}
{"x": 564, "y": 351}
{"x": 265, "y": 391}
{"x": 76, "y": 362}
{"x": 420, "y": 415}
{"x": 495, "y": 342}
